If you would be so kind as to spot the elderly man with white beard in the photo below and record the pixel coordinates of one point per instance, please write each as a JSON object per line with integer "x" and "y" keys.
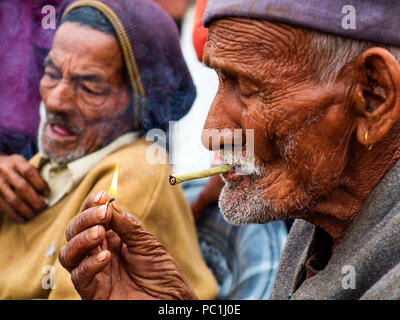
{"x": 324, "y": 104}
{"x": 99, "y": 101}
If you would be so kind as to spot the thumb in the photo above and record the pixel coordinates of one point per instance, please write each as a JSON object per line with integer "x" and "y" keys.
{"x": 138, "y": 242}
{"x": 127, "y": 227}
{"x": 148, "y": 262}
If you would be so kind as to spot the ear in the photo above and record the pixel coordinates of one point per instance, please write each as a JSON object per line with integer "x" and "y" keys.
{"x": 377, "y": 94}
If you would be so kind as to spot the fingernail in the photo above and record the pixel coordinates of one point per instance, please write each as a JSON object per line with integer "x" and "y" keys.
{"x": 101, "y": 212}
{"x": 93, "y": 233}
{"x": 101, "y": 256}
{"x": 98, "y": 197}
{"x": 116, "y": 207}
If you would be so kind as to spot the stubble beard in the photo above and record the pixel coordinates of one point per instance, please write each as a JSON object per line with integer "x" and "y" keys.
{"x": 241, "y": 202}
{"x": 242, "y": 206}
{"x": 254, "y": 198}
{"x": 75, "y": 154}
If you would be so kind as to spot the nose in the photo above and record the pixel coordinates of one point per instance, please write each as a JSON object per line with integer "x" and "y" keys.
{"x": 59, "y": 99}
{"x": 222, "y": 126}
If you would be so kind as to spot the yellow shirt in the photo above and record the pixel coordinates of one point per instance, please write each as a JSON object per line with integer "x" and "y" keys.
{"x": 29, "y": 267}
{"x": 62, "y": 179}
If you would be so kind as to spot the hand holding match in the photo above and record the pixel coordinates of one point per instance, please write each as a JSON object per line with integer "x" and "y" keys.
{"x": 101, "y": 234}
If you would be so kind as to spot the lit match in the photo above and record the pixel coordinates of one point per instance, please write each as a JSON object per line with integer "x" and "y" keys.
{"x": 113, "y": 188}
{"x": 179, "y": 178}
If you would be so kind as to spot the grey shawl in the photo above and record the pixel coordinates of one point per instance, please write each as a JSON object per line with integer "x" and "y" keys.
{"x": 371, "y": 245}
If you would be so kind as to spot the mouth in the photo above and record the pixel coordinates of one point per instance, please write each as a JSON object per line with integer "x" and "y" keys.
{"x": 232, "y": 175}
{"x": 237, "y": 174}
{"x": 60, "y": 133}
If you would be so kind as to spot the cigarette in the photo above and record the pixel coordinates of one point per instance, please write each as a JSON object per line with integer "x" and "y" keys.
{"x": 179, "y": 178}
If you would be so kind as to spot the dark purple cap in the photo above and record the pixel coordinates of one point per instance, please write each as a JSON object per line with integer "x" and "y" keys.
{"x": 376, "y": 21}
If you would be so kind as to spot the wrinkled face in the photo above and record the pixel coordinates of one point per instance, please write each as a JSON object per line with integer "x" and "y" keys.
{"x": 84, "y": 92}
{"x": 301, "y": 129}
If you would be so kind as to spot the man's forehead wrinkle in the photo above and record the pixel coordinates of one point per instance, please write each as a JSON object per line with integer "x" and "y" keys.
{"x": 236, "y": 61}
{"x": 262, "y": 45}
{"x": 276, "y": 39}
{"x": 73, "y": 66}
{"x": 90, "y": 49}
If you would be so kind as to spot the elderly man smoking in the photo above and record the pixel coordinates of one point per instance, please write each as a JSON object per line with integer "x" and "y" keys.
{"x": 324, "y": 104}
{"x": 114, "y": 72}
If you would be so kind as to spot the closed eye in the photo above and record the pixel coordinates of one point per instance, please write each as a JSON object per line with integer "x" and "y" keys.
{"x": 246, "y": 90}
{"x": 86, "y": 89}
{"x": 52, "y": 75}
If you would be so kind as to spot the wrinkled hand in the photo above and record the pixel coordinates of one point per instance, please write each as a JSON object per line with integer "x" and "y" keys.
{"x": 111, "y": 256}
{"x": 20, "y": 189}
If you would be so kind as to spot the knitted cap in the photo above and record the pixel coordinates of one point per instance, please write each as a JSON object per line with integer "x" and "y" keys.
{"x": 162, "y": 87}
{"x": 376, "y": 21}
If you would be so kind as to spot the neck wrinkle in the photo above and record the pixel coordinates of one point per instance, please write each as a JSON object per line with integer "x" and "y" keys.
{"x": 335, "y": 212}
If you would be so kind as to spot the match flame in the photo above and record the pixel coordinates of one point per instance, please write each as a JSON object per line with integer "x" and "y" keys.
{"x": 113, "y": 189}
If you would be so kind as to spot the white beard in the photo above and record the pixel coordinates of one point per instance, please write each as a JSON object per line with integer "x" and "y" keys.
{"x": 243, "y": 206}
{"x": 249, "y": 201}
{"x": 239, "y": 205}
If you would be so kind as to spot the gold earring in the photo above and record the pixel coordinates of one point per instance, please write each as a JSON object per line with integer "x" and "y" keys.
{"x": 369, "y": 146}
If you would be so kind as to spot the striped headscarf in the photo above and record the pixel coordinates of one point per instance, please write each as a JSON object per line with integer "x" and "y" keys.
{"x": 161, "y": 84}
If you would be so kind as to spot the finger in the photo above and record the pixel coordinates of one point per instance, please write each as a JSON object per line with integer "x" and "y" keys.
{"x": 89, "y": 218}
{"x": 15, "y": 202}
{"x": 95, "y": 199}
{"x": 139, "y": 249}
{"x": 113, "y": 242}
{"x": 102, "y": 246}
{"x": 31, "y": 174}
{"x": 146, "y": 258}
{"x": 26, "y": 191}
{"x": 83, "y": 277}
{"x": 7, "y": 209}
{"x": 80, "y": 246}
{"x": 132, "y": 233}
{"x": 127, "y": 227}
